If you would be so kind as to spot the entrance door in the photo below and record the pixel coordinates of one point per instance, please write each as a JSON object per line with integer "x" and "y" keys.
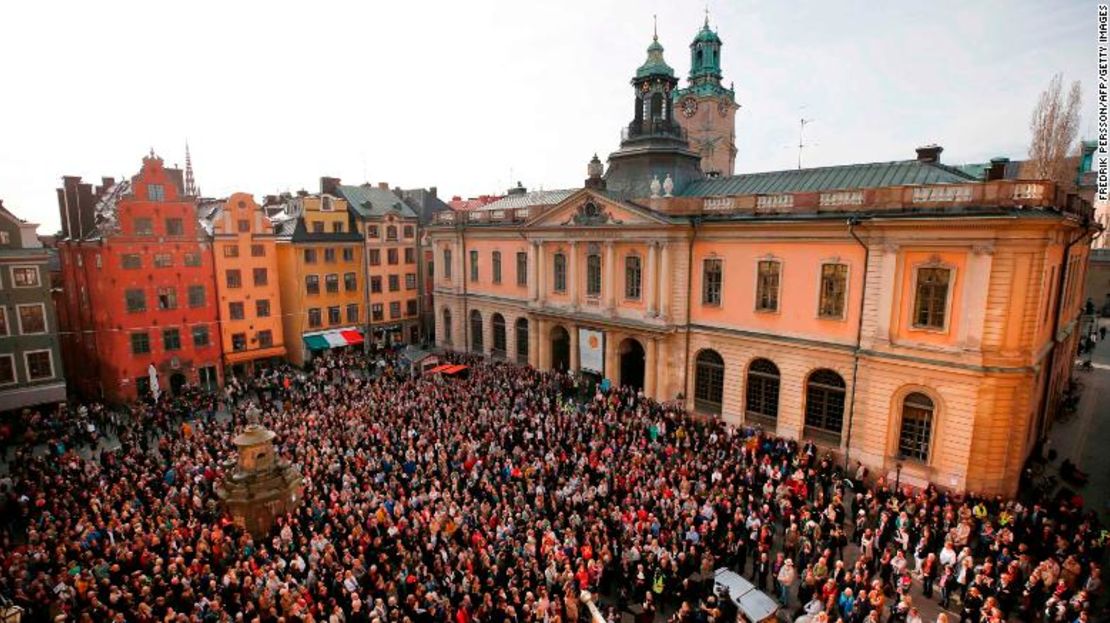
{"x": 632, "y": 363}
{"x": 177, "y": 382}
{"x": 560, "y": 349}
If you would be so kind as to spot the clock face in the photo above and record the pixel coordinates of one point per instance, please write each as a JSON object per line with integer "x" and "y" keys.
{"x": 689, "y": 106}
{"x": 723, "y": 108}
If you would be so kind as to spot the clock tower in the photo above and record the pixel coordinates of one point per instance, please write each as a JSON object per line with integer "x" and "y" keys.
{"x": 706, "y": 109}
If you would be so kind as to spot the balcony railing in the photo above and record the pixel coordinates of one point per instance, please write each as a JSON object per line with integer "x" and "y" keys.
{"x": 656, "y": 127}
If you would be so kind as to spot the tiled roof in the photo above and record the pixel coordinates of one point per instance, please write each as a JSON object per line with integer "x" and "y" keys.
{"x": 843, "y": 177}
{"x": 534, "y": 198}
{"x": 371, "y": 201}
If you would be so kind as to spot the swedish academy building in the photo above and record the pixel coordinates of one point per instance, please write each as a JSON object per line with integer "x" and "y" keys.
{"x": 905, "y": 314}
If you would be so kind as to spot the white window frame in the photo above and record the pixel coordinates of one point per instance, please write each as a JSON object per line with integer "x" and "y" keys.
{"x": 778, "y": 290}
{"x": 45, "y": 319}
{"x": 38, "y": 276}
{"x": 7, "y": 321}
{"x": 847, "y": 288}
{"x": 27, "y": 364}
{"x": 15, "y": 371}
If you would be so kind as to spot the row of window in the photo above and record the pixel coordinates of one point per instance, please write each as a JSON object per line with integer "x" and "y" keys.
{"x": 377, "y": 313}
{"x": 498, "y": 349}
{"x": 394, "y": 283}
{"x": 233, "y": 277}
{"x": 257, "y": 250}
{"x": 134, "y": 261}
{"x": 391, "y": 256}
{"x": 37, "y": 364}
{"x": 30, "y": 320}
{"x": 824, "y": 403}
{"x": 236, "y": 310}
{"x": 171, "y": 339}
{"x": 374, "y": 232}
{"x": 166, "y": 297}
{"x": 331, "y": 283}
{"x": 144, "y": 226}
{"x": 311, "y": 255}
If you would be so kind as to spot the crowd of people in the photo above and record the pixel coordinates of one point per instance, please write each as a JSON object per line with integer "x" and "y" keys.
{"x": 498, "y": 498}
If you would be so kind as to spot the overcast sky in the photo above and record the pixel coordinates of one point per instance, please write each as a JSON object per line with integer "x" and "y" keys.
{"x": 470, "y": 96}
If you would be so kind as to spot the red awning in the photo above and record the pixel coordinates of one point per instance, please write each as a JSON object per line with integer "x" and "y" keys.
{"x": 353, "y": 337}
{"x": 440, "y": 368}
{"x": 454, "y": 369}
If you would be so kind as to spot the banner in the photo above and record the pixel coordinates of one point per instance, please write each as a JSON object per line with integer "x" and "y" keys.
{"x": 591, "y": 351}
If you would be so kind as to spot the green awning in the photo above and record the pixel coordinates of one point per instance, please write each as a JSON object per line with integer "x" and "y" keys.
{"x": 316, "y": 342}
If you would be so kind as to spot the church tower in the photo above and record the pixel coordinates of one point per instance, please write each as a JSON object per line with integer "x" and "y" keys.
{"x": 706, "y": 109}
{"x": 654, "y": 149}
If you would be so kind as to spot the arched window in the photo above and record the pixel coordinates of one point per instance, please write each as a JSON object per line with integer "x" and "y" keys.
{"x": 391, "y": 232}
{"x": 917, "y": 427}
{"x": 560, "y": 270}
{"x": 825, "y": 406}
{"x": 593, "y": 274}
{"x": 498, "y": 323}
{"x": 446, "y": 326}
{"x": 522, "y": 340}
{"x": 477, "y": 344}
{"x": 657, "y": 107}
{"x": 762, "y": 404}
{"x": 709, "y": 382}
{"x": 632, "y": 274}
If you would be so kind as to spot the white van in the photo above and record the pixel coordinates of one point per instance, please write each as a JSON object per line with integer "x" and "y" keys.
{"x": 754, "y": 605}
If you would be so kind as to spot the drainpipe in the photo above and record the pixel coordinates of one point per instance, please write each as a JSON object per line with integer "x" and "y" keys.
{"x": 695, "y": 222}
{"x": 853, "y": 221}
{"x": 1061, "y": 287}
{"x": 463, "y": 276}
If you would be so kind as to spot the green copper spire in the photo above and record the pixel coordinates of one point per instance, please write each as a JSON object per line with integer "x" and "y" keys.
{"x": 655, "y": 65}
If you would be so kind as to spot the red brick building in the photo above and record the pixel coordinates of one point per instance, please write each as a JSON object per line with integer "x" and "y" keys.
{"x": 137, "y": 286}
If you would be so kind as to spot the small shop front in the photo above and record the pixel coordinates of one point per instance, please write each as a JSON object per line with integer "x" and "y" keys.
{"x": 320, "y": 341}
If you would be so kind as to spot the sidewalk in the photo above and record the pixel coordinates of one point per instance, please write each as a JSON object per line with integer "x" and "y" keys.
{"x": 1085, "y": 436}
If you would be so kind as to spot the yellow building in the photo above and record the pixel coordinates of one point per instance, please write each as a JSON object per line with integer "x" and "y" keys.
{"x": 250, "y": 310}
{"x": 322, "y": 279}
{"x": 905, "y": 314}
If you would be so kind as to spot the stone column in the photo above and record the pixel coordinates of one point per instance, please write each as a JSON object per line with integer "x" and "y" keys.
{"x": 610, "y": 283}
{"x": 572, "y": 276}
{"x": 537, "y": 351}
{"x": 649, "y": 289}
{"x": 664, "y": 293}
{"x": 650, "y": 363}
{"x": 534, "y": 270}
{"x": 888, "y": 266}
{"x": 574, "y": 363}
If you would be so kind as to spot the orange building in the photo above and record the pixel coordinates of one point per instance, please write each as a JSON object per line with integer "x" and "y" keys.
{"x": 320, "y": 271}
{"x": 246, "y": 282}
{"x": 905, "y": 314}
{"x": 389, "y": 231}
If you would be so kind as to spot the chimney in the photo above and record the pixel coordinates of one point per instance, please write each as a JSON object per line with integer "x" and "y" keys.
{"x": 997, "y": 170}
{"x": 383, "y": 185}
{"x": 519, "y": 189}
{"x": 432, "y": 191}
{"x": 329, "y": 185}
{"x": 929, "y": 153}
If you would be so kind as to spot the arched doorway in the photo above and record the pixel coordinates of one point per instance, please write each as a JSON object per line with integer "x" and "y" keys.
{"x": 177, "y": 382}
{"x": 560, "y": 349}
{"x": 477, "y": 340}
{"x": 498, "y": 322}
{"x": 632, "y": 363}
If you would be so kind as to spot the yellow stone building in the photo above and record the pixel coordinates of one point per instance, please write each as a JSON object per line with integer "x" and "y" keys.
{"x": 904, "y": 314}
{"x": 322, "y": 280}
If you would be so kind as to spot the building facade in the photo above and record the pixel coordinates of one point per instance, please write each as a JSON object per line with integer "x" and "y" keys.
{"x": 30, "y": 354}
{"x": 138, "y": 287}
{"x": 245, "y": 259}
{"x": 902, "y": 314}
{"x": 388, "y": 227}
{"x": 321, "y": 275}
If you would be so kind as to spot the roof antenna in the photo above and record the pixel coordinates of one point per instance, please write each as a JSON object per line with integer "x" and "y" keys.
{"x": 801, "y": 132}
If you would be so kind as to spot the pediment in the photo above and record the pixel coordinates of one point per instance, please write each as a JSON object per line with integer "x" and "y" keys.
{"x": 586, "y": 208}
